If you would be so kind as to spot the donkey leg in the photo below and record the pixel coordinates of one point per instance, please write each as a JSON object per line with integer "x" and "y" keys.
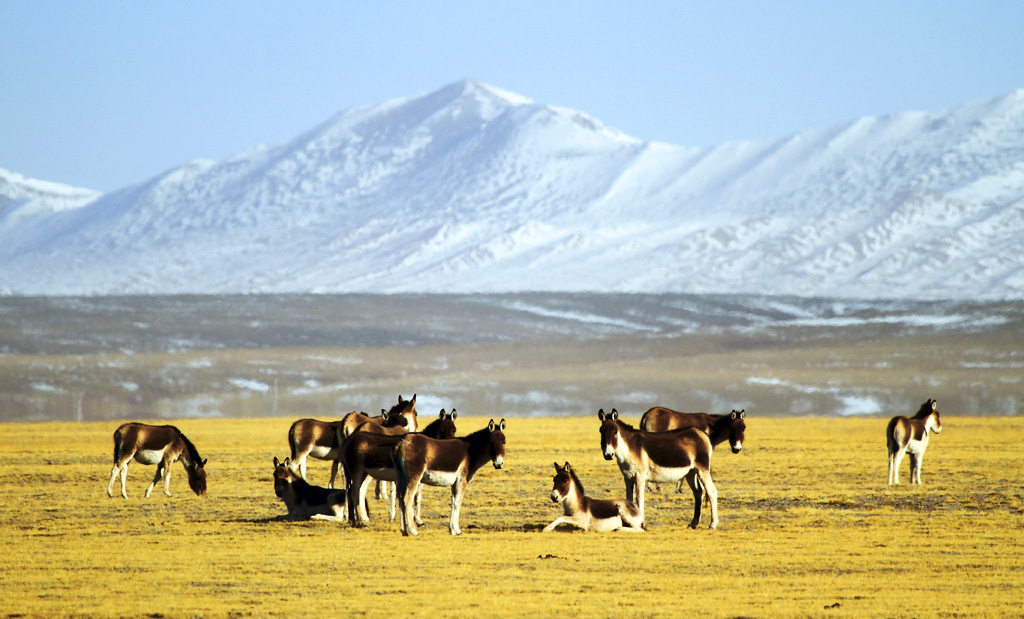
{"x": 113, "y": 477}
{"x": 167, "y": 480}
{"x": 640, "y": 485}
{"x": 156, "y": 479}
{"x": 458, "y": 492}
{"x": 408, "y": 493}
{"x": 124, "y": 480}
{"x": 915, "y": 468}
{"x": 419, "y": 503}
{"x": 364, "y": 484}
{"x": 630, "y": 488}
{"x": 897, "y": 461}
{"x": 709, "y": 487}
{"x": 334, "y": 474}
{"x": 698, "y": 497}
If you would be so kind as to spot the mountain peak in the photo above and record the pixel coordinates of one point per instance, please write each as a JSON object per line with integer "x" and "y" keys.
{"x": 471, "y": 188}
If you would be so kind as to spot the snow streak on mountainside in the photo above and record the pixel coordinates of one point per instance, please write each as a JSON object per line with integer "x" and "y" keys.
{"x": 475, "y": 189}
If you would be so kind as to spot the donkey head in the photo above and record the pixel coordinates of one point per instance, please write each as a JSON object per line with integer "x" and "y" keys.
{"x": 609, "y": 433}
{"x": 562, "y": 483}
{"x": 446, "y": 424}
{"x": 737, "y": 428}
{"x": 197, "y": 477}
{"x": 933, "y": 407}
{"x": 402, "y": 414}
{"x": 497, "y": 443}
{"x": 283, "y": 476}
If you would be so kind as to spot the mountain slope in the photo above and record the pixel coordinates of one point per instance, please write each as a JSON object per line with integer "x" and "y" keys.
{"x": 471, "y": 188}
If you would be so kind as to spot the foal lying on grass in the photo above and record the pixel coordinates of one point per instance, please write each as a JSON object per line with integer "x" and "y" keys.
{"x": 306, "y": 502}
{"x": 586, "y": 513}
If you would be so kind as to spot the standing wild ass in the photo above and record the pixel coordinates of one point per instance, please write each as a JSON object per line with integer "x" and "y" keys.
{"x": 454, "y": 462}
{"x": 910, "y": 436}
{"x": 660, "y": 457}
{"x": 367, "y": 453}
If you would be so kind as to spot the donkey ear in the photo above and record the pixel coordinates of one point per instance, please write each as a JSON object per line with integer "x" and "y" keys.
{"x": 567, "y": 468}
{"x": 277, "y": 462}
{"x": 614, "y": 416}
{"x": 734, "y": 414}
{"x": 600, "y": 414}
{"x": 490, "y": 426}
{"x": 441, "y": 416}
{"x": 558, "y": 468}
{"x": 935, "y": 405}
{"x": 286, "y": 462}
{"x": 384, "y": 415}
{"x": 454, "y": 414}
{"x": 204, "y": 462}
{"x": 413, "y": 400}
{"x": 400, "y": 399}
{"x": 743, "y": 413}
{"x": 501, "y": 426}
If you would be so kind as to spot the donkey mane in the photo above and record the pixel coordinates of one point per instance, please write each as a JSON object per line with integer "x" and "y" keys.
{"x": 925, "y": 410}
{"x": 469, "y": 438}
{"x": 432, "y": 426}
{"x": 576, "y": 481}
{"x": 193, "y": 453}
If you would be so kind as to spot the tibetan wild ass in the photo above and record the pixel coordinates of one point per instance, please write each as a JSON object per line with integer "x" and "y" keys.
{"x": 910, "y": 436}
{"x": 312, "y": 437}
{"x": 720, "y": 428}
{"x": 660, "y": 457}
{"x": 588, "y": 514}
{"x": 306, "y": 502}
{"x": 159, "y": 445}
{"x": 367, "y": 454}
{"x": 454, "y": 462}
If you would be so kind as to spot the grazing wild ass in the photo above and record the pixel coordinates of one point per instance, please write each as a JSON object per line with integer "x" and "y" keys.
{"x": 367, "y": 454}
{"x": 159, "y": 445}
{"x": 306, "y": 502}
{"x": 588, "y": 514}
{"x": 420, "y": 460}
{"x": 719, "y": 428}
{"x": 660, "y": 457}
{"x": 910, "y": 436}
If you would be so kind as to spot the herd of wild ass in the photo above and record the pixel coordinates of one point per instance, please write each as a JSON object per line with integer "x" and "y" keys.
{"x": 394, "y": 451}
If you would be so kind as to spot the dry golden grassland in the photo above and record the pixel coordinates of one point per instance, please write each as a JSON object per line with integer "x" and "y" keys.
{"x": 808, "y": 529}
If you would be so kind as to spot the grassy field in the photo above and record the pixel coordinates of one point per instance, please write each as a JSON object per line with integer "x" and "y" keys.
{"x": 808, "y": 529}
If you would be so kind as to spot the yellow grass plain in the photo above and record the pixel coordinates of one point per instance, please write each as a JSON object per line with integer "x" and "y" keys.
{"x": 808, "y": 529}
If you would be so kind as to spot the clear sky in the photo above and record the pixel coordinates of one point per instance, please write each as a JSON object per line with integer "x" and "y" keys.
{"x": 105, "y": 94}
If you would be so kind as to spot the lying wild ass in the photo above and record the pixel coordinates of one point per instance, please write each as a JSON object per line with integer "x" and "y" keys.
{"x": 367, "y": 453}
{"x": 588, "y": 514}
{"x": 306, "y": 502}
{"x": 420, "y": 460}
{"x": 660, "y": 457}
{"x": 159, "y": 445}
{"x": 910, "y": 436}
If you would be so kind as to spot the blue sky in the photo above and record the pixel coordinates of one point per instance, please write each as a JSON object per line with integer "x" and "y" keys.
{"x": 107, "y": 94}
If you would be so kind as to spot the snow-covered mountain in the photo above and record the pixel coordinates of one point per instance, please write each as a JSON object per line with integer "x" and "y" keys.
{"x": 471, "y": 188}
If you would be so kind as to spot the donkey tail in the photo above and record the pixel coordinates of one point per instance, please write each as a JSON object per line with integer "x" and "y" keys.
{"x": 118, "y": 441}
{"x": 291, "y": 441}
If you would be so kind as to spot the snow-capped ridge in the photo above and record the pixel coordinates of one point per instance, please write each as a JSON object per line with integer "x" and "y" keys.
{"x": 472, "y": 188}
